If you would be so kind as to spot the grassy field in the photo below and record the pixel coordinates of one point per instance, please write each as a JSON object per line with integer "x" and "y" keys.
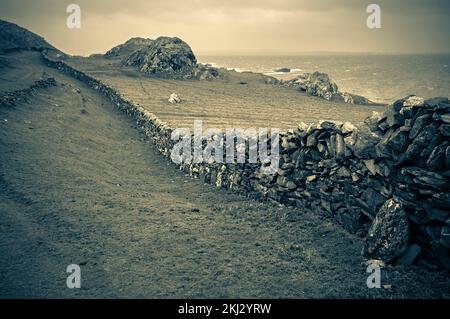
{"x": 224, "y": 102}
{"x": 18, "y": 71}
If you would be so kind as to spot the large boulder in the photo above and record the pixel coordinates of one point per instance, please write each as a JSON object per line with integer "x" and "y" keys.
{"x": 13, "y": 37}
{"x": 320, "y": 84}
{"x": 165, "y": 56}
{"x": 317, "y": 84}
{"x": 125, "y": 49}
{"x": 388, "y": 235}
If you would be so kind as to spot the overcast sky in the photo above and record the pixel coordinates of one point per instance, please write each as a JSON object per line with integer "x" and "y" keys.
{"x": 241, "y": 26}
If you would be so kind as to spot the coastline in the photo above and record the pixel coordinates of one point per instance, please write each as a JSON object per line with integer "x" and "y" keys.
{"x": 382, "y": 78}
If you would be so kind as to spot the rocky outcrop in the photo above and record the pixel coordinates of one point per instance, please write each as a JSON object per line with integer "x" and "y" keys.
{"x": 13, "y": 37}
{"x": 164, "y": 56}
{"x": 319, "y": 84}
{"x": 170, "y": 58}
{"x": 388, "y": 178}
{"x": 125, "y": 49}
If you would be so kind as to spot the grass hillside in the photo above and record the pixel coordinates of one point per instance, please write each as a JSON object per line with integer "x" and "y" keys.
{"x": 13, "y": 37}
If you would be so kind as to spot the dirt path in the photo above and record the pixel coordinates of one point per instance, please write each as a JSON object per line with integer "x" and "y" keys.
{"x": 86, "y": 187}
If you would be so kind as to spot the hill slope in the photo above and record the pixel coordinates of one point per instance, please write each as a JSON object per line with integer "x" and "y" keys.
{"x": 13, "y": 37}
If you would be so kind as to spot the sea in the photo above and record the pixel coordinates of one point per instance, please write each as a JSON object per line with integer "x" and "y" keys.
{"x": 380, "y": 77}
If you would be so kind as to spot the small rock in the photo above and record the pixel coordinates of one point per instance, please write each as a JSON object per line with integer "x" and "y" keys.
{"x": 340, "y": 146}
{"x": 421, "y": 141}
{"x": 413, "y": 100}
{"x": 373, "y": 199}
{"x": 328, "y": 125}
{"x": 435, "y": 213}
{"x": 425, "y": 178}
{"x": 370, "y": 164}
{"x": 373, "y": 120}
{"x": 348, "y": 127}
{"x": 343, "y": 172}
{"x": 435, "y": 101}
{"x": 445, "y": 129}
{"x": 398, "y": 141}
{"x": 365, "y": 141}
{"x": 174, "y": 99}
{"x": 447, "y": 158}
{"x": 445, "y": 118}
{"x": 436, "y": 161}
{"x": 393, "y": 116}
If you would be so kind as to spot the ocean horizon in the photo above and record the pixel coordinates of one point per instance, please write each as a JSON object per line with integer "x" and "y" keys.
{"x": 382, "y": 78}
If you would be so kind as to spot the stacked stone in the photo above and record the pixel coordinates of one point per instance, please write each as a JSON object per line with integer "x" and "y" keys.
{"x": 318, "y": 171}
{"x": 410, "y": 150}
{"x": 12, "y": 98}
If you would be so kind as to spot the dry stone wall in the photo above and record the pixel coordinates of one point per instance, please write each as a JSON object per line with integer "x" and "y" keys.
{"x": 387, "y": 180}
{"x": 14, "y": 97}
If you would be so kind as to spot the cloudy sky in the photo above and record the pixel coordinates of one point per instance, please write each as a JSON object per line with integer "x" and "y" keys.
{"x": 241, "y": 26}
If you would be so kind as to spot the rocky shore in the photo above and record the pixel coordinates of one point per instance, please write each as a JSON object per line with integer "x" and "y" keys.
{"x": 386, "y": 180}
{"x": 320, "y": 85}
